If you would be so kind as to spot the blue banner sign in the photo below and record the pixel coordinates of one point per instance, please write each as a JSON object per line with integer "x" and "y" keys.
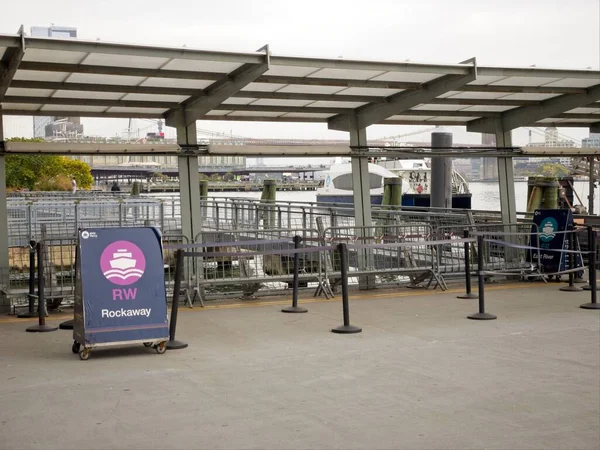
{"x": 120, "y": 287}
{"x": 551, "y": 225}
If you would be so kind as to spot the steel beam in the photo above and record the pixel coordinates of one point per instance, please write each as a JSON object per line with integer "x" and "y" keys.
{"x": 77, "y": 113}
{"x": 10, "y": 64}
{"x": 4, "y": 260}
{"x": 90, "y": 102}
{"x": 189, "y": 184}
{"x": 403, "y": 101}
{"x": 524, "y": 116}
{"x": 207, "y": 99}
{"x": 595, "y": 127}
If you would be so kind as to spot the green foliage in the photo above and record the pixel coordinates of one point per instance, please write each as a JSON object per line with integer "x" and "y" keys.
{"x": 552, "y": 170}
{"x": 228, "y": 177}
{"x": 45, "y": 172}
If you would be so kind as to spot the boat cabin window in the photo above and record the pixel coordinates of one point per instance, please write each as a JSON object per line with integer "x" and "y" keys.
{"x": 344, "y": 181}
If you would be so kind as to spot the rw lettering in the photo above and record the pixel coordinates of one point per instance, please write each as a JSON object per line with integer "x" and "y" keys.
{"x": 124, "y": 294}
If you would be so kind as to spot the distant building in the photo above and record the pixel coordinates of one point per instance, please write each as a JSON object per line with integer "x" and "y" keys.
{"x": 552, "y": 139}
{"x": 488, "y": 168}
{"x": 592, "y": 141}
{"x": 56, "y": 127}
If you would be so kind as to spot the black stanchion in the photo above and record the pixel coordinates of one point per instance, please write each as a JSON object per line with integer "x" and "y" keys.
{"x": 41, "y": 327}
{"x": 173, "y": 343}
{"x": 481, "y": 315}
{"x": 593, "y": 282}
{"x": 591, "y": 248}
{"x": 571, "y": 287}
{"x": 346, "y": 328}
{"x": 295, "y": 308}
{"x": 31, "y": 296}
{"x": 468, "y": 294}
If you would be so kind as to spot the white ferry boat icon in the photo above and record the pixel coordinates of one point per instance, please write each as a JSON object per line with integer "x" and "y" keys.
{"x": 123, "y": 260}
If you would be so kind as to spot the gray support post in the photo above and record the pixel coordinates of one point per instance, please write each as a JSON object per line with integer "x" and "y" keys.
{"x": 189, "y": 184}
{"x": 362, "y": 202}
{"x": 592, "y": 186}
{"x": 4, "y": 262}
{"x": 506, "y": 177}
{"x": 441, "y": 172}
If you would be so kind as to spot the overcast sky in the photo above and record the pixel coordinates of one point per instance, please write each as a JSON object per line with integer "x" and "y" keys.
{"x": 550, "y": 33}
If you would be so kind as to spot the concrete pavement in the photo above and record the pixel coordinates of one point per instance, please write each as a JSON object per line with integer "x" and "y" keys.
{"x": 420, "y": 375}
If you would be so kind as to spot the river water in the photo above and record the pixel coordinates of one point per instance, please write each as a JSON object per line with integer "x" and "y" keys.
{"x": 486, "y": 196}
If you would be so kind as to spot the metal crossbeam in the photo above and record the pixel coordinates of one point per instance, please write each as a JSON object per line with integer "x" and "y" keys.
{"x": 207, "y": 99}
{"x": 524, "y": 116}
{"x": 10, "y": 64}
{"x": 403, "y": 101}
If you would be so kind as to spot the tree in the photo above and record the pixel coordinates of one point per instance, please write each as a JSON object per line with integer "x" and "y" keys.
{"x": 552, "y": 170}
{"x": 45, "y": 172}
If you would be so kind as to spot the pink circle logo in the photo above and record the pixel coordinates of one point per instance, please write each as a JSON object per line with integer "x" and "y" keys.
{"x": 122, "y": 263}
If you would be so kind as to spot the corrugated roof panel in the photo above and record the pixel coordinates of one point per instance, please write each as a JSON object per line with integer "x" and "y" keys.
{"x": 21, "y": 106}
{"x": 458, "y": 119}
{"x": 238, "y": 101}
{"x": 524, "y": 81}
{"x": 121, "y": 109}
{"x": 476, "y": 95}
{"x": 34, "y": 75}
{"x": 156, "y": 97}
{"x": 526, "y": 96}
{"x": 375, "y": 92}
{"x": 308, "y": 89}
{"x": 201, "y": 66}
{"x": 121, "y": 80}
{"x": 53, "y": 56}
{"x": 23, "y": 92}
{"x": 177, "y": 83}
{"x": 411, "y": 118}
{"x": 441, "y": 107}
{"x": 254, "y": 114}
{"x": 586, "y": 110}
{"x": 408, "y": 77}
{"x": 68, "y": 108}
{"x": 488, "y": 108}
{"x": 263, "y": 87}
{"x": 309, "y": 115}
{"x": 574, "y": 82}
{"x": 143, "y": 62}
{"x": 89, "y": 94}
{"x": 345, "y": 74}
{"x": 290, "y": 71}
{"x": 329, "y": 104}
{"x": 218, "y": 112}
{"x": 278, "y": 102}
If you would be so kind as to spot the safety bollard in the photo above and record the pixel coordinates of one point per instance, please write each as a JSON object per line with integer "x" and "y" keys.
{"x": 173, "y": 343}
{"x": 31, "y": 295}
{"x": 346, "y": 328}
{"x": 591, "y": 248}
{"x": 468, "y": 294}
{"x": 41, "y": 327}
{"x": 481, "y": 315}
{"x": 295, "y": 308}
{"x": 571, "y": 287}
{"x": 593, "y": 282}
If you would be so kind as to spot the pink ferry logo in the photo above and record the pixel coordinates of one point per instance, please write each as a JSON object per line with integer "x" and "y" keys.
{"x": 122, "y": 263}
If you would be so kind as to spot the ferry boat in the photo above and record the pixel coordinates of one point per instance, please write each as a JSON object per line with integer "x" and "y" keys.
{"x": 416, "y": 184}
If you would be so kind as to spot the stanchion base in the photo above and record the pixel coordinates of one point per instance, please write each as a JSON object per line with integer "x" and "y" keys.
{"x": 468, "y": 296}
{"x": 482, "y": 316}
{"x": 590, "y": 306}
{"x": 350, "y": 329}
{"x": 294, "y": 309}
{"x": 588, "y": 287}
{"x": 27, "y": 315}
{"x": 41, "y": 329}
{"x": 570, "y": 289}
{"x": 176, "y": 345}
{"x": 67, "y": 325}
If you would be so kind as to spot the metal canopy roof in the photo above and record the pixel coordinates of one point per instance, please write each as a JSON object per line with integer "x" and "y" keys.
{"x": 68, "y": 77}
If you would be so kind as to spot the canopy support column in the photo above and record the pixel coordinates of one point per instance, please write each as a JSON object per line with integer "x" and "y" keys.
{"x": 189, "y": 184}
{"x": 362, "y": 203}
{"x": 506, "y": 177}
{"x": 4, "y": 261}
{"x": 592, "y": 182}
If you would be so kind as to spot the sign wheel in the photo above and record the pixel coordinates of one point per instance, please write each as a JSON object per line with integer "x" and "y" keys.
{"x": 85, "y": 354}
{"x": 147, "y": 344}
{"x": 75, "y": 348}
{"x": 161, "y": 348}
